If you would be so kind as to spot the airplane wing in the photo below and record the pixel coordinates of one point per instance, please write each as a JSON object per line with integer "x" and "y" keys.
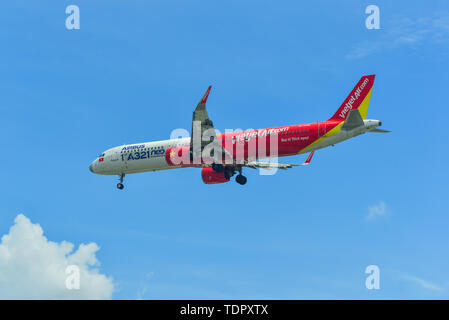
{"x": 271, "y": 165}
{"x": 200, "y": 124}
{"x": 200, "y": 119}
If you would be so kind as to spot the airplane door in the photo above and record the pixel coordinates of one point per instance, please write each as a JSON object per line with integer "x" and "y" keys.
{"x": 114, "y": 156}
{"x": 124, "y": 161}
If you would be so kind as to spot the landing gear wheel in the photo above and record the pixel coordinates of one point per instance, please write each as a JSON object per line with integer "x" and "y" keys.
{"x": 240, "y": 179}
{"x": 120, "y": 185}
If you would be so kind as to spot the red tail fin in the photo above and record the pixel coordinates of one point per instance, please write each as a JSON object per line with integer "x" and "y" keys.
{"x": 357, "y": 99}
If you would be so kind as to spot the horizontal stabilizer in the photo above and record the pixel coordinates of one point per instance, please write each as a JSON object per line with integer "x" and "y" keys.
{"x": 353, "y": 120}
{"x": 379, "y": 130}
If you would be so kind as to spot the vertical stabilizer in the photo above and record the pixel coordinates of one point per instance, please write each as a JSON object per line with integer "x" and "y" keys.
{"x": 357, "y": 99}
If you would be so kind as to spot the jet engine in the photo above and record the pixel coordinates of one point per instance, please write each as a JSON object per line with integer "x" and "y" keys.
{"x": 210, "y": 176}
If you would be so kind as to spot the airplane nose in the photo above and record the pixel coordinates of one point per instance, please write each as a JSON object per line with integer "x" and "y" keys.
{"x": 91, "y": 167}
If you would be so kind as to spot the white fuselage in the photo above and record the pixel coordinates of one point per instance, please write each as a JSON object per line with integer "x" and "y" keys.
{"x": 134, "y": 158}
{"x": 151, "y": 156}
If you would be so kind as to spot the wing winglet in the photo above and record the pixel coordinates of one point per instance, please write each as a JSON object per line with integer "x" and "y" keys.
{"x": 308, "y": 159}
{"x": 206, "y": 95}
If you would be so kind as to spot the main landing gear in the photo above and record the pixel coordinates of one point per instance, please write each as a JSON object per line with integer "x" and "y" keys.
{"x": 120, "y": 184}
{"x": 229, "y": 171}
{"x": 240, "y": 179}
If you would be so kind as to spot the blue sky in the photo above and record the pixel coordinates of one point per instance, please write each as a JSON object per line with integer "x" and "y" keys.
{"x": 135, "y": 71}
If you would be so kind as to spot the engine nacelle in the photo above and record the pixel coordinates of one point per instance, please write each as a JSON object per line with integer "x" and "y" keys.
{"x": 210, "y": 176}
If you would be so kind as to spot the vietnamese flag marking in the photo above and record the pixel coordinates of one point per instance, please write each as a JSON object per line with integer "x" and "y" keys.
{"x": 100, "y": 159}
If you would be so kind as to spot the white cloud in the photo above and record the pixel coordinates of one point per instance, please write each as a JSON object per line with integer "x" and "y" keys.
{"x": 422, "y": 283}
{"x": 406, "y": 31}
{"x": 32, "y": 267}
{"x": 377, "y": 210}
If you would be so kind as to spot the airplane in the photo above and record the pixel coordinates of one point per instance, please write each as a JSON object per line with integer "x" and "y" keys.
{"x": 220, "y": 156}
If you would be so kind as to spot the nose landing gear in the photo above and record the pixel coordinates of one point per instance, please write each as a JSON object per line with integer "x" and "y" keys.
{"x": 120, "y": 184}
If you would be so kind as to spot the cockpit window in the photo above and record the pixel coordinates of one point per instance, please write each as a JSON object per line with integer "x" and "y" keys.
{"x": 101, "y": 155}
